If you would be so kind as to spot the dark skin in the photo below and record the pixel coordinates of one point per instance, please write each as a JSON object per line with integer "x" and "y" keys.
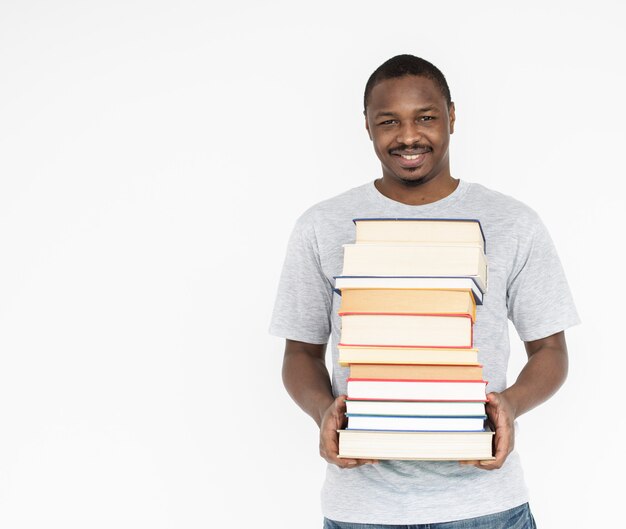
{"x": 409, "y": 117}
{"x": 410, "y": 122}
{"x": 308, "y": 382}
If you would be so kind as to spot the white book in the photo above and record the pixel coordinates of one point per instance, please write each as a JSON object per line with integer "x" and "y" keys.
{"x": 414, "y": 408}
{"x": 360, "y": 388}
{"x": 432, "y": 424}
{"x": 382, "y": 259}
{"x": 410, "y": 282}
{"x": 446, "y": 446}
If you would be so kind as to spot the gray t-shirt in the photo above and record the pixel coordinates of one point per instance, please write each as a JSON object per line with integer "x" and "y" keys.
{"x": 526, "y": 285}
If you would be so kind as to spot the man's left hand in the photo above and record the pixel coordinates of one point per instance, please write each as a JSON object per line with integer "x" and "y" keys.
{"x": 501, "y": 416}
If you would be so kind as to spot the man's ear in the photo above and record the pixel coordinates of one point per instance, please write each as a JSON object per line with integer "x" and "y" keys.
{"x": 452, "y": 116}
{"x": 367, "y": 127}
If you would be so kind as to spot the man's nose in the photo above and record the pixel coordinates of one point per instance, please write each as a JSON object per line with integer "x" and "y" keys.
{"x": 408, "y": 134}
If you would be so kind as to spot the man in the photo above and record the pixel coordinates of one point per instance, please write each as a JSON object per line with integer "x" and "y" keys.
{"x": 409, "y": 118}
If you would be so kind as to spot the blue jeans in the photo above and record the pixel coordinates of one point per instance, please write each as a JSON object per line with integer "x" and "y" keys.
{"x": 516, "y": 518}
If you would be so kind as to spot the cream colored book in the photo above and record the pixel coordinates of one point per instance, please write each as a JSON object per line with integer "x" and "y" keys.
{"x": 417, "y": 372}
{"x": 430, "y": 231}
{"x": 406, "y": 355}
{"x": 446, "y": 446}
{"x": 382, "y": 259}
{"x": 415, "y": 330}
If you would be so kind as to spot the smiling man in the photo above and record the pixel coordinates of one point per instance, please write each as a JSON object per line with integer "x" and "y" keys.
{"x": 409, "y": 118}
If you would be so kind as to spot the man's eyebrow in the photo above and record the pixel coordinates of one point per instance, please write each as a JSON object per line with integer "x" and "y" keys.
{"x": 384, "y": 114}
{"x": 387, "y": 113}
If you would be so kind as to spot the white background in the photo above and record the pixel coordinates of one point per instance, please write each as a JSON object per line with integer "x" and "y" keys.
{"x": 153, "y": 159}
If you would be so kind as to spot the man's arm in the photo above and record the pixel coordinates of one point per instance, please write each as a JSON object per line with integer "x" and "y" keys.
{"x": 541, "y": 377}
{"x": 308, "y": 383}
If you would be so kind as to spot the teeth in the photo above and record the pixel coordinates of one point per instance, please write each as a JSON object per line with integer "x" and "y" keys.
{"x": 410, "y": 156}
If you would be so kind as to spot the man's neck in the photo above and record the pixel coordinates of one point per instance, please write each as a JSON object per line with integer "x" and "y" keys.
{"x": 427, "y": 193}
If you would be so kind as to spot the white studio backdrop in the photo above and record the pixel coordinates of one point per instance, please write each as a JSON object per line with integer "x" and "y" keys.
{"x": 153, "y": 159}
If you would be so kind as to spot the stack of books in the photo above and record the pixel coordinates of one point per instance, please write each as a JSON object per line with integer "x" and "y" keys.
{"x": 409, "y": 292}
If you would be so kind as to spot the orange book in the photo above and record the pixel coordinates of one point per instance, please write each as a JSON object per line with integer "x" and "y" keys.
{"x": 407, "y": 301}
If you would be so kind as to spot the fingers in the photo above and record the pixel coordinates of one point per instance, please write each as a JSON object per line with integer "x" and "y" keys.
{"x": 501, "y": 420}
{"x": 334, "y": 419}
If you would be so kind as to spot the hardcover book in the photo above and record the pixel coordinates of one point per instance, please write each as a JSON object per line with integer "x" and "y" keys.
{"x": 416, "y": 424}
{"x": 456, "y": 446}
{"x": 410, "y": 282}
{"x": 440, "y": 390}
{"x": 407, "y": 301}
{"x": 438, "y": 231}
{"x": 417, "y": 372}
{"x": 388, "y": 259}
{"x": 418, "y": 330}
{"x": 406, "y": 355}
{"x": 414, "y": 408}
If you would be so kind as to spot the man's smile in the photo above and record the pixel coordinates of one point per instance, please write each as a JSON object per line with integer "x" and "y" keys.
{"x": 410, "y": 158}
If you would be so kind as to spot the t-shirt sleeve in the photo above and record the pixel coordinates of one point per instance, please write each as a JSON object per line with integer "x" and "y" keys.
{"x": 539, "y": 300}
{"x": 304, "y": 300}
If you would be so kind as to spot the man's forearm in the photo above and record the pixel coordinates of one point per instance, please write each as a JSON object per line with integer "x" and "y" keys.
{"x": 306, "y": 378}
{"x": 542, "y": 376}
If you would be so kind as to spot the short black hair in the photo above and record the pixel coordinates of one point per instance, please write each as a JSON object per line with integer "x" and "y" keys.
{"x": 402, "y": 65}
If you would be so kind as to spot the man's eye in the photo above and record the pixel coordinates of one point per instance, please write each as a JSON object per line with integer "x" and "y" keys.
{"x": 427, "y": 118}
{"x": 389, "y": 122}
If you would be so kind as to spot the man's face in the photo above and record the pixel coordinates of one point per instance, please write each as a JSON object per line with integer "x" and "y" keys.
{"x": 409, "y": 122}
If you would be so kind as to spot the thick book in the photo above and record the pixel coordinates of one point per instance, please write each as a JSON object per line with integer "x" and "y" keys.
{"x": 416, "y": 424}
{"x": 407, "y": 301}
{"x": 420, "y": 330}
{"x": 410, "y": 282}
{"x": 445, "y": 446}
{"x": 414, "y": 408}
{"x": 417, "y": 372}
{"x": 406, "y": 355}
{"x": 388, "y": 259}
{"x": 407, "y": 230}
{"x": 383, "y": 389}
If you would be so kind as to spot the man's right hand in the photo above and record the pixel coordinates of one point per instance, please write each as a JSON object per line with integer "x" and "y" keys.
{"x": 334, "y": 419}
